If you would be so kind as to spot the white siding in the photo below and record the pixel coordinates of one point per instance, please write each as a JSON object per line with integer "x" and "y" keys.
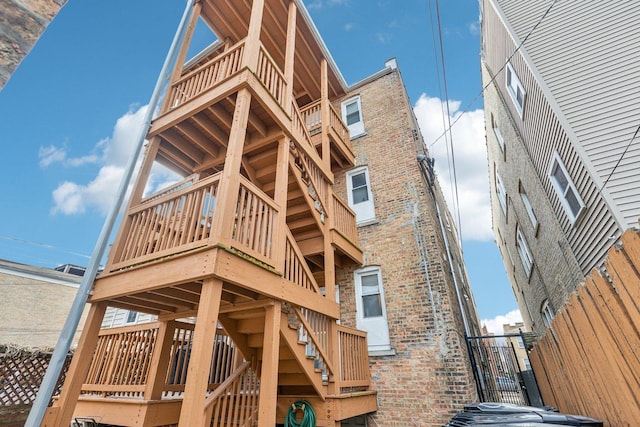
{"x": 544, "y": 134}
{"x": 588, "y": 54}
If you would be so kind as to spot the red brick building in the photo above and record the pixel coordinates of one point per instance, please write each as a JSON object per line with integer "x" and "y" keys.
{"x": 405, "y": 293}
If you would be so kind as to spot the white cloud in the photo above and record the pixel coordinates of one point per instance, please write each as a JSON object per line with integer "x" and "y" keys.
{"x": 474, "y": 28}
{"x": 470, "y": 155}
{"x": 384, "y": 38}
{"x": 319, "y": 4}
{"x": 494, "y": 325}
{"x": 71, "y": 198}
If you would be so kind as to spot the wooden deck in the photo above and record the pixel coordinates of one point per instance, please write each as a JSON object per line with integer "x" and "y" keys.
{"x": 246, "y": 244}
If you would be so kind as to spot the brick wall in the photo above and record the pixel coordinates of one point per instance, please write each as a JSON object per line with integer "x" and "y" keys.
{"x": 32, "y": 312}
{"x": 555, "y": 272}
{"x": 429, "y": 377}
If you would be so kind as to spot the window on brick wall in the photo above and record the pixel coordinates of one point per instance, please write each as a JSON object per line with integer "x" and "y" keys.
{"x": 501, "y": 193}
{"x": 352, "y": 116}
{"x": 497, "y": 133}
{"x": 566, "y": 190}
{"x": 528, "y": 207}
{"x": 515, "y": 89}
{"x": 371, "y": 313}
{"x": 524, "y": 252}
{"x": 359, "y": 195}
{"x": 547, "y": 313}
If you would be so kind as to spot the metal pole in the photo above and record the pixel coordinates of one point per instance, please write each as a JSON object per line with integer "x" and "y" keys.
{"x": 73, "y": 319}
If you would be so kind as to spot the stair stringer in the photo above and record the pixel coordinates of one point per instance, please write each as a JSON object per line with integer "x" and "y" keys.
{"x": 298, "y": 349}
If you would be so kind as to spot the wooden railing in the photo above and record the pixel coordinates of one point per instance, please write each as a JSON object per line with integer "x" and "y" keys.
{"x": 122, "y": 359}
{"x": 354, "y": 358}
{"x": 312, "y": 117}
{"x": 296, "y": 269}
{"x": 235, "y": 402}
{"x": 271, "y": 76}
{"x": 318, "y": 180}
{"x": 313, "y": 328}
{"x": 298, "y": 125}
{"x": 254, "y": 226}
{"x": 177, "y": 221}
{"x": 344, "y": 220}
{"x": 338, "y": 126}
{"x": 205, "y": 77}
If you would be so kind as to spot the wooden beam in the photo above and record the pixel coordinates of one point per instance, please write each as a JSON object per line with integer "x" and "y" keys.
{"x": 194, "y": 135}
{"x": 80, "y": 364}
{"x": 195, "y": 390}
{"x": 177, "y": 140}
{"x": 211, "y": 129}
{"x": 269, "y": 372}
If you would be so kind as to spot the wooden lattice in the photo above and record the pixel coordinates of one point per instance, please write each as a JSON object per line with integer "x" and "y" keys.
{"x": 21, "y": 372}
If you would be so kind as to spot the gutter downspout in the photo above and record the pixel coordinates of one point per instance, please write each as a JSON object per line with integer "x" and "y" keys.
{"x": 63, "y": 345}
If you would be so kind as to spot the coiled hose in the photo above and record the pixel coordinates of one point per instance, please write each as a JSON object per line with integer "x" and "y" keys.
{"x": 308, "y": 419}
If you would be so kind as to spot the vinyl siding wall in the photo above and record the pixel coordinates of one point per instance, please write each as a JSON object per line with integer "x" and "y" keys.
{"x": 543, "y": 134}
{"x": 589, "y": 57}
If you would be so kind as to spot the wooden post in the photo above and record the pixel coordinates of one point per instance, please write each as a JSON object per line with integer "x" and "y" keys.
{"x": 330, "y": 293}
{"x": 280, "y": 197}
{"x": 80, "y": 364}
{"x": 182, "y": 54}
{"x": 160, "y": 361}
{"x": 192, "y": 413}
{"x": 252, "y": 43}
{"x": 267, "y": 401}
{"x": 289, "y": 56}
{"x": 230, "y": 179}
{"x": 326, "y": 113}
{"x": 136, "y": 195}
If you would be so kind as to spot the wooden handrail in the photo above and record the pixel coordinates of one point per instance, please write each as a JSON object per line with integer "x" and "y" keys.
{"x": 314, "y": 339}
{"x": 299, "y": 263}
{"x": 223, "y": 388}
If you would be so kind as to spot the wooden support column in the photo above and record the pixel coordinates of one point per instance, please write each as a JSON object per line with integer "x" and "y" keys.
{"x": 182, "y": 54}
{"x": 280, "y": 197}
{"x": 227, "y": 197}
{"x": 192, "y": 413}
{"x": 268, "y": 398}
{"x": 80, "y": 364}
{"x": 326, "y": 116}
{"x": 289, "y": 56}
{"x": 330, "y": 293}
{"x": 160, "y": 361}
{"x": 252, "y": 43}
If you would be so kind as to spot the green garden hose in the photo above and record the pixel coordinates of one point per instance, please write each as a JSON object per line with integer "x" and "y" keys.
{"x": 309, "y": 418}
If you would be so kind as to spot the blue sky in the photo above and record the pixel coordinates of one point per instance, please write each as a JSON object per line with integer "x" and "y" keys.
{"x": 70, "y": 112}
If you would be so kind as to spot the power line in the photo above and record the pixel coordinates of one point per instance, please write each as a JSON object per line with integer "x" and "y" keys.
{"x": 620, "y": 159}
{"x": 495, "y": 75}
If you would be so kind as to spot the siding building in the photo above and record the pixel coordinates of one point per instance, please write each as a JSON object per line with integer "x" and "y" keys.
{"x": 561, "y": 115}
{"x": 308, "y": 239}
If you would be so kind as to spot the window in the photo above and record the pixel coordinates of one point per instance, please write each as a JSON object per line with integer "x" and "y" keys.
{"x": 523, "y": 251}
{"x": 547, "y": 313}
{"x": 371, "y": 315}
{"x": 527, "y": 364}
{"x": 352, "y": 116}
{"x": 497, "y": 133}
{"x": 567, "y": 192}
{"x": 520, "y": 342}
{"x": 132, "y": 316}
{"x": 515, "y": 89}
{"x": 502, "y": 193}
{"x": 359, "y": 195}
{"x": 527, "y": 205}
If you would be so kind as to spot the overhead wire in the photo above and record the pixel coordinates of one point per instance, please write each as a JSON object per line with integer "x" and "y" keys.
{"x": 620, "y": 159}
{"x": 495, "y": 75}
{"x": 446, "y": 113}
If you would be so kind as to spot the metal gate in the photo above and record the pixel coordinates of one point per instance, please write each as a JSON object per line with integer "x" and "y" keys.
{"x": 500, "y": 375}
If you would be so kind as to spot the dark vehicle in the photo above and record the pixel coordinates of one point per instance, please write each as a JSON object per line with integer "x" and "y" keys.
{"x": 503, "y": 414}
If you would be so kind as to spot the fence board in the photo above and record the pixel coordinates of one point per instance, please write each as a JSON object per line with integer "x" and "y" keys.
{"x": 589, "y": 362}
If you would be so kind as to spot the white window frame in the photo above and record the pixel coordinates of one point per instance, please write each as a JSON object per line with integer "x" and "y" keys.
{"x": 501, "y": 192}
{"x": 127, "y": 317}
{"x": 358, "y": 274}
{"x": 356, "y": 128}
{"x": 497, "y": 133}
{"x": 523, "y": 250}
{"x": 558, "y": 165}
{"x": 515, "y": 88}
{"x": 365, "y": 211}
{"x": 547, "y": 314}
{"x": 529, "y": 208}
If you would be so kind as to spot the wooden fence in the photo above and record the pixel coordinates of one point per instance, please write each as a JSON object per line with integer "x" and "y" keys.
{"x": 21, "y": 372}
{"x": 589, "y": 363}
